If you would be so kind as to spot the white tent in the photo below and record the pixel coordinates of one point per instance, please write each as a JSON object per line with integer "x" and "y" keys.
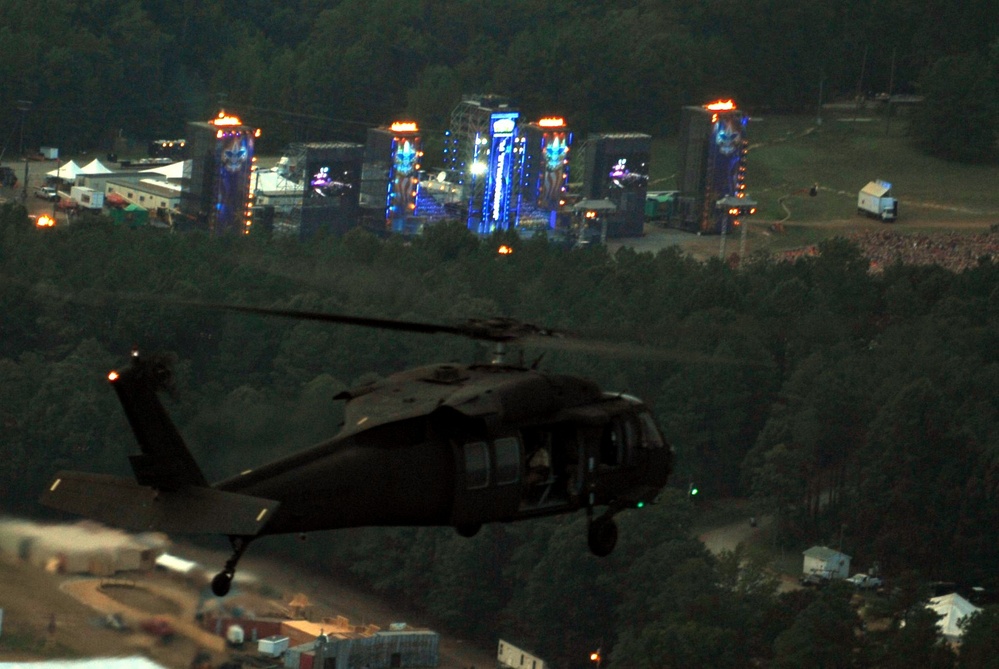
{"x": 172, "y": 171}
{"x": 67, "y": 172}
{"x": 95, "y": 167}
{"x": 97, "y": 663}
{"x": 953, "y": 608}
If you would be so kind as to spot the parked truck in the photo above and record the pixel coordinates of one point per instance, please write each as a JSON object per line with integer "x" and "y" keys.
{"x": 865, "y": 581}
{"x": 87, "y": 198}
{"x": 875, "y": 200}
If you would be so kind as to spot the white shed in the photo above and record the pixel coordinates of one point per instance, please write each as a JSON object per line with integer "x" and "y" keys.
{"x": 826, "y": 562}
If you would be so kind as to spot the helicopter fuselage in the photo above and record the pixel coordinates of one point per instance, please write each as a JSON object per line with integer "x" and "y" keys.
{"x": 463, "y": 446}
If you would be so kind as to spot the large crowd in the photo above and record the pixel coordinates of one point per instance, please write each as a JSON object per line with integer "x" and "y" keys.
{"x": 954, "y": 251}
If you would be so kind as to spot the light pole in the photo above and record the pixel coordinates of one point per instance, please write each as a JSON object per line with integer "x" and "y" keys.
{"x": 818, "y": 114}
{"x": 24, "y": 106}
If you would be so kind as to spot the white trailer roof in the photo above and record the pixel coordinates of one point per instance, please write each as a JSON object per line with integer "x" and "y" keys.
{"x": 876, "y": 188}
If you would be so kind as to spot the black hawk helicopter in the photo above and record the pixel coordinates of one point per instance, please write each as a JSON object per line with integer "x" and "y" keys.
{"x": 442, "y": 445}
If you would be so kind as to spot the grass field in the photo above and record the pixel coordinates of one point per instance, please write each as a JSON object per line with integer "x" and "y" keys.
{"x": 850, "y": 148}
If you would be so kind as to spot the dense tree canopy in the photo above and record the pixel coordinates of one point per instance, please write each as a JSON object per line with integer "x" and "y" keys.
{"x": 853, "y": 407}
{"x": 98, "y": 72}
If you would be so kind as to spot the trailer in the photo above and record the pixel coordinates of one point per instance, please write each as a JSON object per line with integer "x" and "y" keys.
{"x": 875, "y": 200}
{"x": 87, "y": 198}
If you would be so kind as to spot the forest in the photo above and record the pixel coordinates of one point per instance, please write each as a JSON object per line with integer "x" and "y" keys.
{"x": 104, "y": 75}
{"x": 851, "y": 407}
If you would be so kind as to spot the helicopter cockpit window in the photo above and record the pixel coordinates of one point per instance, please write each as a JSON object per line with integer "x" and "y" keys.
{"x": 651, "y": 437}
{"x": 619, "y": 440}
{"x": 476, "y": 465}
{"x": 507, "y": 460}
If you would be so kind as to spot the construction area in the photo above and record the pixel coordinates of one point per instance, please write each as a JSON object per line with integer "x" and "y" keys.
{"x": 83, "y": 591}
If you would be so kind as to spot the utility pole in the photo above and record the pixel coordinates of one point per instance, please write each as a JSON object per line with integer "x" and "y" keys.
{"x": 24, "y": 106}
{"x": 860, "y": 85}
{"x": 891, "y": 89}
{"x": 818, "y": 114}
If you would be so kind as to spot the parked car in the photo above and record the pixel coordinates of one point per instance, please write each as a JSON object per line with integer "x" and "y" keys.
{"x": 865, "y": 582}
{"x": 7, "y": 177}
{"x": 814, "y": 580}
{"x": 47, "y": 193}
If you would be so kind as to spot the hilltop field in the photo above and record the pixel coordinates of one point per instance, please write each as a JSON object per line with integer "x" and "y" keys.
{"x": 788, "y": 155}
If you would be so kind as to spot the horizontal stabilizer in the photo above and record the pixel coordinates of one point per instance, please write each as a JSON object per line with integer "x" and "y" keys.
{"x": 124, "y": 503}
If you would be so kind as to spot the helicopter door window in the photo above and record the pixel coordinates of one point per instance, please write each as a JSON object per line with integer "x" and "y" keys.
{"x": 507, "y": 460}
{"x": 476, "y": 465}
{"x": 611, "y": 445}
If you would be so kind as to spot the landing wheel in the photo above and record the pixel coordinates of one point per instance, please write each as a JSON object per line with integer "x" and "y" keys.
{"x": 223, "y": 580}
{"x": 602, "y": 536}
{"x": 469, "y": 531}
{"x": 221, "y": 583}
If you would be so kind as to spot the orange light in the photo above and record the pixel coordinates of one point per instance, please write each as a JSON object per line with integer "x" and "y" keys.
{"x": 45, "y": 221}
{"x": 403, "y": 126}
{"x": 112, "y": 376}
{"x": 594, "y": 657}
{"x": 224, "y": 119}
{"x": 504, "y": 250}
{"x": 552, "y": 122}
{"x": 720, "y": 105}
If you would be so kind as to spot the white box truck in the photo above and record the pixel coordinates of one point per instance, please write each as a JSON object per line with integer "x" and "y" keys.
{"x": 875, "y": 200}
{"x": 87, "y": 198}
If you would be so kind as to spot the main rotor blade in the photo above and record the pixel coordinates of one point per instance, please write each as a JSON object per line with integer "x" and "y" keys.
{"x": 628, "y": 350}
{"x": 499, "y": 330}
{"x": 326, "y": 317}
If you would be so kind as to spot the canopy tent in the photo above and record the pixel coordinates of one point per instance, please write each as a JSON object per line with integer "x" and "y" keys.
{"x": 176, "y": 170}
{"x": 95, "y": 167}
{"x": 136, "y": 662}
{"x": 133, "y": 216}
{"x": 65, "y": 172}
{"x": 952, "y": 608}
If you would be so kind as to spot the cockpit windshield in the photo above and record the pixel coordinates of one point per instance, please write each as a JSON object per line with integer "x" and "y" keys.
{"x": 651, "y": 436}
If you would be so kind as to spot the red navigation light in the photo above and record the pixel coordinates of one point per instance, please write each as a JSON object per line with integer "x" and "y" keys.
{"x": 720, "y": 105}
{"x": 552, "y": 122}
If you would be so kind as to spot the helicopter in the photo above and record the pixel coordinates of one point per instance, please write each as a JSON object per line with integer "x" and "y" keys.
{"x": 448, "y": 444}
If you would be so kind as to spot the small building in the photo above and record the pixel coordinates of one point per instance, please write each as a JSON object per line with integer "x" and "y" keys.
{"x": 371, "y": 647}
{"x": 147, "y": 192}
{"x": 509, "y": 656}
{"x": 272, "y": 646}
{"x": 826, "y": 562}
{"x": 81, "y": 548}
